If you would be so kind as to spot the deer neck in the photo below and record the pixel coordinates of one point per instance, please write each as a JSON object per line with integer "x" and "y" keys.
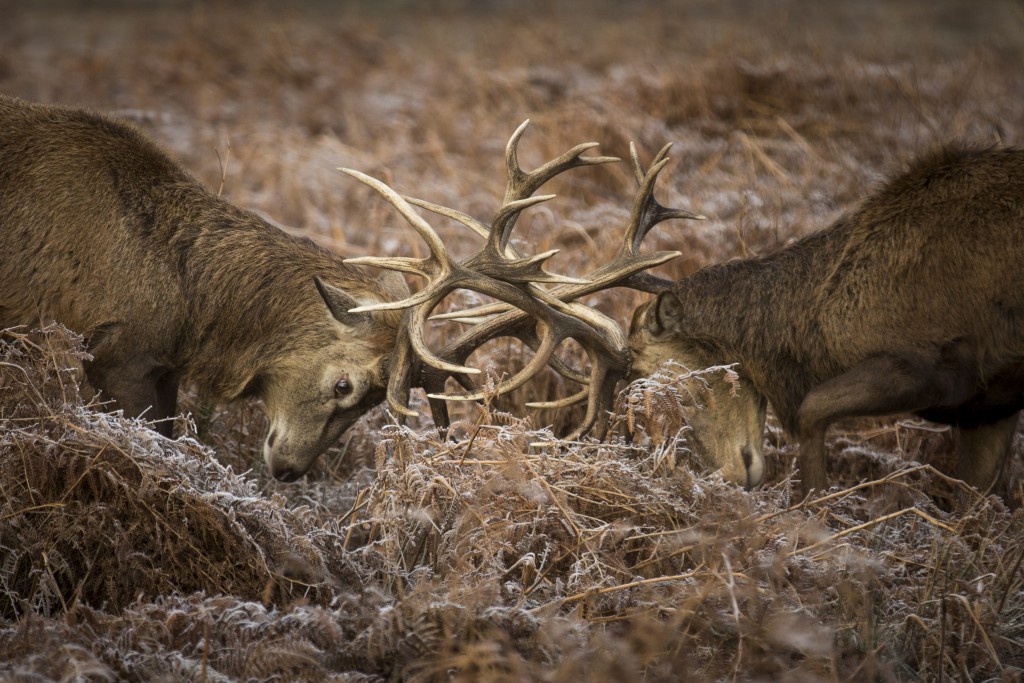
{"x": 249, "y": 294}
{"x": 760, "y": 314}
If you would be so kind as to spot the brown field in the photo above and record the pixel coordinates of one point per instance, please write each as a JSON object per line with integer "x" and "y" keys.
{"x": 125, "y": 556}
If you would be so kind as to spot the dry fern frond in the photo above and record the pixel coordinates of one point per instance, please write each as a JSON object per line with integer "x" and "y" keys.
{"x": 102, "y": 511}
{"x": 655, "y": 411}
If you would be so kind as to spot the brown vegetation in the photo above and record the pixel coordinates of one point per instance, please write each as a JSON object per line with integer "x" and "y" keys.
{"x": 127, "y": 556}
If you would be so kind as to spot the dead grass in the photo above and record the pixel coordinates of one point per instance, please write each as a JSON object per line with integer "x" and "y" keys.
{"x": 126, "y": 556}
{"x": 137, "y": 557}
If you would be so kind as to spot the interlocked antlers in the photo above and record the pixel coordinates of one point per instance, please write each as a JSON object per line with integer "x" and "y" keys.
{"x": 541, "y": 318}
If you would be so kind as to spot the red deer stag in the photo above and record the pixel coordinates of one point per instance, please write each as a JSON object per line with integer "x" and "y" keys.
{"x": 912, "y": 302}
{"x": 104, "y": 233}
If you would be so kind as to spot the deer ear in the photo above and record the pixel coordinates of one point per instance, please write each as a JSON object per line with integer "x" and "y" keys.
{"x": 393, "y": 281}
{"x": 667, "y": 313}
{"x": 339, "y": 302}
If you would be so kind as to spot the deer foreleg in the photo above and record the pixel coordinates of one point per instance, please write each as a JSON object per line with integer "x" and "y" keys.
{"x": 983, "y": 451}
{"x": 880, "y": 385}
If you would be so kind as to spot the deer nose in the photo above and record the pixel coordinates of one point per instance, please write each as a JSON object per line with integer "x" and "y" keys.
{"x": 285, "y": 474}
{"x": 755, "y": 473}
{"x": 280, "y": 469}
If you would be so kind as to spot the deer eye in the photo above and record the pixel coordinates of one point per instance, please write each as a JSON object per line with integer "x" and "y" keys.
{"x": 342, "y": 388}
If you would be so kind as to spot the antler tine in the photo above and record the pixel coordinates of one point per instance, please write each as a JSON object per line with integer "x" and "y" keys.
{"x": 475, "y": 315}
{"x": 402, "y": 367}
{"x": 522, "y": 184}
{"x": 434, "y": 243}
{"x": 562, "y": 402}
{"x": 638, "y": 168}
{"x": 647, "y": 212}
{"x": 510, "y": 266}
{"x": 543, "y": 353}
{"x": 438, "y": 266}
{"x": 612, "y": 337}
{"x": 464, "y": 218}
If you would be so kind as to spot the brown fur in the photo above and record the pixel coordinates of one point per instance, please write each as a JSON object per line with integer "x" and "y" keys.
{"x": 106, "y": 234}
{"x": 913, "y": 302}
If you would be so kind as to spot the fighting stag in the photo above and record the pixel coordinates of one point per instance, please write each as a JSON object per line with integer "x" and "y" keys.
{"x": 911, "y": 303}
{"x": 105, "y": 233}
{"x": 539, "y": 317}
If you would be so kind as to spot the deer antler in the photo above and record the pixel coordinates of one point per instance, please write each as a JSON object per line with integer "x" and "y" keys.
{"x": 539, "y": 317}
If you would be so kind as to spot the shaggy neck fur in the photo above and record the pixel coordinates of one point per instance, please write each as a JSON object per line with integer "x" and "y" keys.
{"x": 759, "y": 313}
{"x": 249, "y": 292}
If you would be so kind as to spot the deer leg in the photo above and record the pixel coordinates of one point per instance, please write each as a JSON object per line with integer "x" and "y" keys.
{"x": 166, "y": 404}
{"x": 983, "y": 450}
{"x": 880, "y": 385}
{"x": 137, "y": 389}
{"x": 138, "y": 383}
